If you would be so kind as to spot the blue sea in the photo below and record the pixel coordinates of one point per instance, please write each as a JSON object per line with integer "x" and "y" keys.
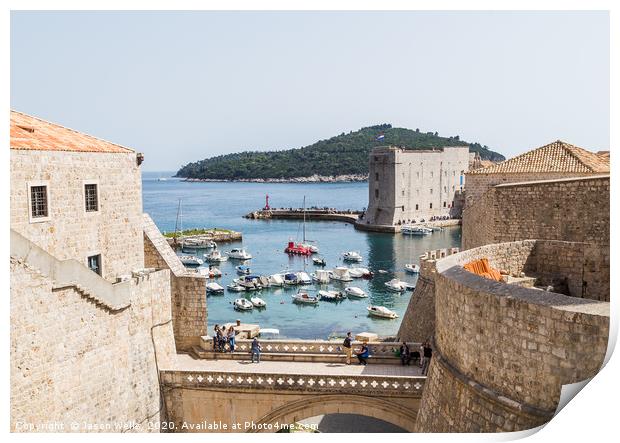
{"x": 223, "y": 204}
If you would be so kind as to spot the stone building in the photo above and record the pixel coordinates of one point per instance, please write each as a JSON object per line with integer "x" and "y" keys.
{"x": 552, "y": 161}
{"x": 407, "y": 186}
{"x": 95, "y": 290}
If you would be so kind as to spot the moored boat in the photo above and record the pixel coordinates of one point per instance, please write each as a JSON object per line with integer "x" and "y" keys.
{"x": 210, "y": 272}
{"x": 190, "y": 260}
{"x": 381, "y": 311}
{"x": 303, "y": 278}
{"x": 242, "y": 304}
{"x": 353, "y": 291}
{"x": 412, "y": 268}
{"x": 356, "y": 272}
{"x": 319, "y": 261}
{"x": 352, "y": 256}
{"x": 341, "y": 273}
{"x": 276, "y": 280}
{"x": 331, "y": 295}
{"x": 239, "y": 254}
{"x": 395, "y": 285}
{"x": 320, "y": 276}
{"x": 258, "y": 302}
{"x": 243, "y": 270}
{"x": 235, "y": 287}
{"x": 214, "y": 288}
{"x": 415, "y": 230}
{"x": 303, "y": 298}
{"x": 297, "y": 249}
{"x": 249, "y": 282}
{"x": 215, "y": 256}
{"x": 290, "y": 279}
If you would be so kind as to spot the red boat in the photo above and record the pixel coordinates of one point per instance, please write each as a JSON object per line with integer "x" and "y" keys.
{"x": 298, "y": 249}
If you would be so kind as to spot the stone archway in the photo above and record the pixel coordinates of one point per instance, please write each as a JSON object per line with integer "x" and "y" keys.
{"x": 297, "y": 410}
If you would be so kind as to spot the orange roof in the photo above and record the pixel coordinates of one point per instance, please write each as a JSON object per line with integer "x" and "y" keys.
{"x": 32, "y": 133}
{"x": 554, "y": 157}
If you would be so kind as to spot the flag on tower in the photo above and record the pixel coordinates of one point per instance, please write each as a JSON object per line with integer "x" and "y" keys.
{"x": 380, "y": 137}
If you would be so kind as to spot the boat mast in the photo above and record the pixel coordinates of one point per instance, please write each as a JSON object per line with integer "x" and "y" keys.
{"x": 176, "y": 223}
{"x": 304, "y": 219}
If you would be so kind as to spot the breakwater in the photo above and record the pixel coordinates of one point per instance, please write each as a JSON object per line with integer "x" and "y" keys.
{"x": 348, "y": 216}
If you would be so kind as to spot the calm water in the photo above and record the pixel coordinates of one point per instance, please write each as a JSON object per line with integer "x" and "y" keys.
{"x": 223, "y": 205}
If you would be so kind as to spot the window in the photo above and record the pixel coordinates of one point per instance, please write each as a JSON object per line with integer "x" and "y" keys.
{"x": 431, "y": 190}
{"x": 94, "y": 263}
{"x": 38, "y": 202}
{"x": 376, "y": 176}
{"x": 402, "y": 192}
{"x": 417, "y": 174}
{"x": 91, "y": 198}
{"x": 376, "y": 193}
{"x": 416, "y": 207}
{"x": 444, "y": 204}
{"x": 431, "y": 206}
{"x": 376, "y": 158}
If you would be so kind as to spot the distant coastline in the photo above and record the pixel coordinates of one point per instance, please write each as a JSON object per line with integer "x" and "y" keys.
{"x": 348, "y": 178}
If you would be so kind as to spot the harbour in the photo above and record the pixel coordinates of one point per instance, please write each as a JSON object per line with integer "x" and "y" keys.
{"x": 209, "y": 204}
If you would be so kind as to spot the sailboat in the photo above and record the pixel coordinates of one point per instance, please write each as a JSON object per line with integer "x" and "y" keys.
{"x": 299, "y": 248}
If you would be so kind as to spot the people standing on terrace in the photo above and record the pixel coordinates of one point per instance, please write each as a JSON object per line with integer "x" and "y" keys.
{"x": 231, "y": 338}
{"x": 347, "y": 347}
{"x": 427, "y": 354}
{"x": 216, "y": 340}
{"x": 405, "y": 358}
{"x": 256, "y": 348}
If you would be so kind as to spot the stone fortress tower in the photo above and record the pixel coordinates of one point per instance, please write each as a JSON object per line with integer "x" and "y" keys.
{"x": 407, "y": 186}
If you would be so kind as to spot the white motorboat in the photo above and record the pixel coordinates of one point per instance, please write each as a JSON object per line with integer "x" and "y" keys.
{"x": 352, "y": 256}
{"x": 415, "y": 230}
{"x": 303, "y": 278}
{"x": 412, "y": 268}
{"x": 356, "y": 272}
{"x": 276, "y": 280}
{"x": 320, "y": 276}
{"x": 210, "y": 272}
{"x": 190, "y": 260}
{"x": 313, "y": 248}
{"x": 214, "y": 288}
{"x": 331, "y": 295}
{"x": 303, "y": 298}
{"x": 243, "y": 270}
{"x": 211, "y": 244}
{"x": 353, "y": 291}
{"x": 395, "y": 285}
{"x": 215, "y": 256}
{"x": 235, "y": 287}
{"x": 242, "y": 304}
{"x": 249, "y": 282}
{"x": 290, "y": 279}
{"x": 319, "y": 261}
{"x": 239, "y": 254}
{"x": 341, "y": 274}
{"x": 258, "y": 302}
{"x": 381, "y": 311}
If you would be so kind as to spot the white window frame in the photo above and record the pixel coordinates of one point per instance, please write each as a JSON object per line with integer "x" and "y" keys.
{"x": 90, "y": 182}
{"x": 29, "y": 186}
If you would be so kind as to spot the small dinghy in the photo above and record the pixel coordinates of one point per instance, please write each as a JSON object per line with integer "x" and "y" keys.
{"x": 381, "y": 311}
{"x": 215, "y": 257}
{"x": 258, "y": 302}
{"x": 353, "y": 291}
{"x": 302, "y": 297}
{"x": 235, "y": 287}
{"x": 352, "y": 256}
{"x": 242, "y": 304}
{"x": 395, "y": 285}
{"x": 412, "y": 268}
{"x": 331, "y": 295}
{"x": 243, "y": 270}
{"x": 190, "y": 260}
{"x": 319, "y": 261}
{"x": 214, "y": 288}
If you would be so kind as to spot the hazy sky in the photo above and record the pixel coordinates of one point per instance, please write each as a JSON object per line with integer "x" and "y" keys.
{"x": 183, "y": 86}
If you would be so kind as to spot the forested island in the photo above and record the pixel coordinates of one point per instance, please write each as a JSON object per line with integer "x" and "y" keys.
{"x": 340, "y": 158}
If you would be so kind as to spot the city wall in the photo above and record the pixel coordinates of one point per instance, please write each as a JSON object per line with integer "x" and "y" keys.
{"x": 188, "y": 289}
{"x": 502, "y": 352}
{"x": 76, "y": 364}
{"x": 115, "y": 231}
{"x": 572, "y": 209}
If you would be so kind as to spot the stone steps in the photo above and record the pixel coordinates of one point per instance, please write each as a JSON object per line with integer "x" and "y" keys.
{"x": 201, "y": 353}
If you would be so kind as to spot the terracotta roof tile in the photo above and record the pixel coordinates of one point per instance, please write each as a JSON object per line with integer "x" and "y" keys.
{"x": 554, "y": 157}
{"x": 32, "y": 133}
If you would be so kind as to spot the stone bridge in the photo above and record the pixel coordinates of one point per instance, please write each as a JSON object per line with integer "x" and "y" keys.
{"x": 294, "y": 381}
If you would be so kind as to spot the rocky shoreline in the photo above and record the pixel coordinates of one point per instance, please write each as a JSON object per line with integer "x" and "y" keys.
{"x": 310, "y": 179}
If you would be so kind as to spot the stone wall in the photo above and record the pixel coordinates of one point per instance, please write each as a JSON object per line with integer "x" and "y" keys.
{"x": 503, "y": 352}
{"x": 115, "y": 231}
{"x": 188, "y": 289}
{"x": 575, "y": 209}
{"x": 75, "y": 362}
{"x": 418, "y": 323}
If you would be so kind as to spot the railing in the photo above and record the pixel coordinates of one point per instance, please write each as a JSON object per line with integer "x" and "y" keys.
{"x": 377, "y": 349}
{"x": 366, "y": 384}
